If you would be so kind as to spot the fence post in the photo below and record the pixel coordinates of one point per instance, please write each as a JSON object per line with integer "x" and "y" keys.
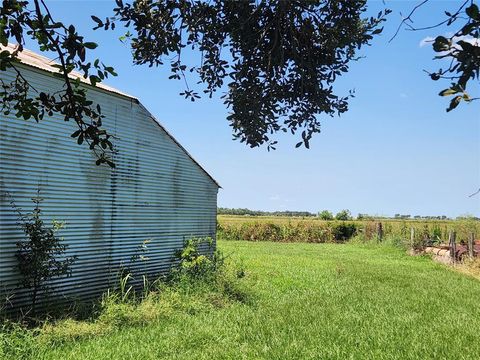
{"x": 453, "y": 245}
{"x": 470, "y": 245}
{"x": 380, "y": 231}
{"x": 412, "y": 236}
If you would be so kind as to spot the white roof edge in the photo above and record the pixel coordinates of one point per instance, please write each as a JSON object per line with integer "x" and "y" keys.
{"x": 41, "y": 62}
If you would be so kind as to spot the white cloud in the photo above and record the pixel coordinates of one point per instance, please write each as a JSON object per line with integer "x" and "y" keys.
{"x": 467, "y": 38}
{"x": 426, "y": 41}
{"x": 275, "y": 197}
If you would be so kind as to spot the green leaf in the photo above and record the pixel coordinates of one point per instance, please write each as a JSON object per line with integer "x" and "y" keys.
{"x": 81, "y": 53}
{"x": 466, "y": 46}
{"x": 97, "y": 20}
{"x": 76, "y": 133}
{"x": 472, "y": 12}
{"x": 90, "y": 45}
{"x": 441, "y": 43}
{"x": 454, "y": 103}
{"x": 94, "y": 79}
{"x": 447, "y": 92}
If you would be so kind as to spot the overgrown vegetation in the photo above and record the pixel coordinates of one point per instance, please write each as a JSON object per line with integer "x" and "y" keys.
{"x": 318, "y": 231}
{"x": 202, "y": 280}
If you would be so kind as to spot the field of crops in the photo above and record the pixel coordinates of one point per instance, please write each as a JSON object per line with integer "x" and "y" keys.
{"x": 311, "y": 229}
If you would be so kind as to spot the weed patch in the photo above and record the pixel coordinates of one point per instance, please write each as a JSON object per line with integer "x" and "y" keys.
{"x": 202, "y": 281}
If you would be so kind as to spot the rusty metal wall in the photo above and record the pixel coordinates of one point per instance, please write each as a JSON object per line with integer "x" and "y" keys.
{"x": 157, "y": 192}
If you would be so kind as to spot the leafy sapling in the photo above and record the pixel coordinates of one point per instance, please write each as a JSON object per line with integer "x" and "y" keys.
{"x": 41, "y": 254}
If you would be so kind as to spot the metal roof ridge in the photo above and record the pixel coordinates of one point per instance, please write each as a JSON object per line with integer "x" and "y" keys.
{"x": 33, "y": 59}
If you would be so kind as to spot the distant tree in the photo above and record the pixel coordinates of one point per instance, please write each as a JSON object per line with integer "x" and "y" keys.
{"x": 280, "y": 59}
{"x": 364, "y": 217}
{"x": 344, "y": 215}
{"x": 227, "y": 211}
{"x": 325, "y": 215}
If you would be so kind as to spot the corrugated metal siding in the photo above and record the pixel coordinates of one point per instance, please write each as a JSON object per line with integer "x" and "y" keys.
{"x": 156, "y": 191}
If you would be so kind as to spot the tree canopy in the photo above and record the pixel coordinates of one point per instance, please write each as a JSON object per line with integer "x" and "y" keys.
{"x": 325, "y": 215}
{"x": 278, "y": 60}
{"x": 343, "y": 215}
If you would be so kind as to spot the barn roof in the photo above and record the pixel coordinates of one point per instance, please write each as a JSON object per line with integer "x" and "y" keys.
{"x": 41, "y": 62}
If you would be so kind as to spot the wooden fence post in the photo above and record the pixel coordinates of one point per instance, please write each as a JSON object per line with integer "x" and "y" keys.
{"x": 412, "y": 236}
{"x": 470, "y": 245}
{"x": 453, "y": 245}
{"x": 380, "y": 231}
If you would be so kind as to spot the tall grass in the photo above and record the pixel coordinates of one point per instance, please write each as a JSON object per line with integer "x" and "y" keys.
{"x": 199, "y": 283}
{"x": 289, "y": 229}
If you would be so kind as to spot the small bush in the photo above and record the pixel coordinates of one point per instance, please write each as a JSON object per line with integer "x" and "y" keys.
{"x": 344, "y": 231}
{"x": 197, "y": 259}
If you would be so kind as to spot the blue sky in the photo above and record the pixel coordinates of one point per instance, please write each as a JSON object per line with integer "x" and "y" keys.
{"x": 395, "y": 151}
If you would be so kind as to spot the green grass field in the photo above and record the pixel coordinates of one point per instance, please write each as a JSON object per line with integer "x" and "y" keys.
{"x": 312, "y": 301}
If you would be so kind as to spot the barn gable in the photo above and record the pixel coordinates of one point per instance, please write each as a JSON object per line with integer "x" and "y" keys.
{"x": 157, "y": 191}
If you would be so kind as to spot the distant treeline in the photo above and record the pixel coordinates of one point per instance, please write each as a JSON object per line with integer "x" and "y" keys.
{"x": 327, "y": 215}
{"x": 227, "y": 211}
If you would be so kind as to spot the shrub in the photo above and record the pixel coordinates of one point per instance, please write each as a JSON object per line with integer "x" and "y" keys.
{"x": 41, "y": 256}
{"x": 344, "y": 231}
{"x": 197, "y": 259}
{"x": 198, "y": 265}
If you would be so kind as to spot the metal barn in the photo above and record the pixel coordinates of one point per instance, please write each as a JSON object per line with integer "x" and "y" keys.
{"x": 157, "y": 191}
